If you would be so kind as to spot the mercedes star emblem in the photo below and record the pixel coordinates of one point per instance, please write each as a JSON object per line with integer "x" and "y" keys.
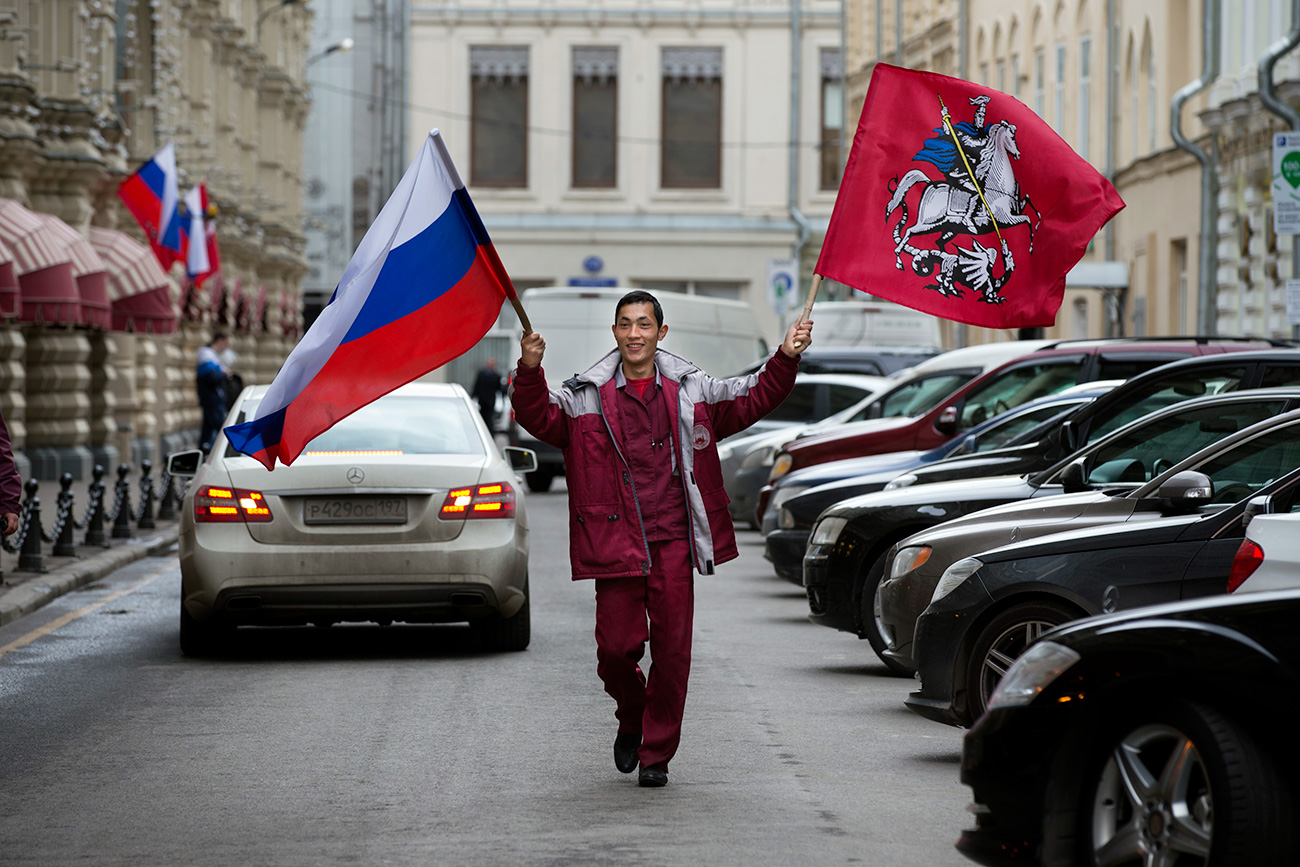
{"x": 356, "y": 476}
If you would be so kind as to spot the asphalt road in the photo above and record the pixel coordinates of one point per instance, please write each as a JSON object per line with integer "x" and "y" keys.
{"x": 409, "y": 745}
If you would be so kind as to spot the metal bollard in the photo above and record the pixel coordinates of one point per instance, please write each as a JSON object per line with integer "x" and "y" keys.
{"x": 167, "y": 505}
{"x": 94, "y": 519}
{"x": 122, "y": 504}
{"x": 144, "y": 520}
{"x": 29, "y": 558}
{"x": 64, "y": 546}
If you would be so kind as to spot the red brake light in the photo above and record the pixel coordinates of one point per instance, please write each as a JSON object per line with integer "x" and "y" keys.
{"x": 496, "y": 500}
{"x": 1249, "y": 557}
{"x": 213, "y": 505}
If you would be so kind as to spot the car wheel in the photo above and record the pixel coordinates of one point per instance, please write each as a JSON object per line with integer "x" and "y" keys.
{"x": 508, "y": 633}
{"x": 872, "y": 625}
{"x": 1001, "y": 642}
{"x": 199, "y": 638}
{"x": 539, "y": 481}
{"x": 1184, "y": 785}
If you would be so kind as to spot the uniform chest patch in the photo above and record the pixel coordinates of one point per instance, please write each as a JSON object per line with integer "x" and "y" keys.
{"x": 700, "y": 437}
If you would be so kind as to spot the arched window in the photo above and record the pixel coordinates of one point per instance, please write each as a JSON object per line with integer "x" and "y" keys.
{"x": 1149, "y": 68}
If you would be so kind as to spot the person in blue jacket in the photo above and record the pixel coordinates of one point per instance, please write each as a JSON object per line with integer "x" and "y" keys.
{"x": 210, "y": 380}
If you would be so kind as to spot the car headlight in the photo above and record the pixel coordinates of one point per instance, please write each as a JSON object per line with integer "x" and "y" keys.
{"x": 908, "y": 559}
{"x": 904, "y": 481}
{"x": 782, "y": 494}
{"x": 785, "y": 519}
{"x": 828, "y": 530}
{"x": 953, "y": 576}
{"x": 780, "y": 466}
{"x": 1032, "y": 673}
{"x": 759, "y": 456}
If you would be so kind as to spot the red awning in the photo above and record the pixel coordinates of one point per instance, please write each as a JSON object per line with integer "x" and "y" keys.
{"x": 43, "y": 265}
{"x": 11, "y": 298}
{"x": 142, "y": 297}
{"x": 88, "y": 269}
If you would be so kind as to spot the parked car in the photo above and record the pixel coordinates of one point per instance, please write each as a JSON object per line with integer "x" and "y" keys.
{"x": 1162, "y": 735}
{"x": 877, "y": 521}
{"x": 800, "y": 497}
{"x": 915, "y": 567}
{"x": 1269, "y": 556}
{"x": 865, "y": 360}
{"x": 816, "y": 396}
{"x": 987, "y": 609}
{"x": 1270, "y": 368}
{"x": 1044, "y": 372}
{"x": 403, "y": 511}
{"x": 747, "y": 467}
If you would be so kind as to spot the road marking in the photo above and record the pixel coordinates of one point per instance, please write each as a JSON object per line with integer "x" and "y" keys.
{"x": 64, "y": 619}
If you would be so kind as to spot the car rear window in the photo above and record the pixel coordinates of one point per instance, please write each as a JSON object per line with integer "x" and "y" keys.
{"x": 395, "y": 425}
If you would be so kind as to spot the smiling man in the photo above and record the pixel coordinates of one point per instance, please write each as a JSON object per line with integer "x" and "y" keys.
{"x": 639, "y": 433}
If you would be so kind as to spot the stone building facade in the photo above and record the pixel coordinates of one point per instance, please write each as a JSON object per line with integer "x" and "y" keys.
{"x": 1055, "y": 56}
{"x": 90, "y": 89}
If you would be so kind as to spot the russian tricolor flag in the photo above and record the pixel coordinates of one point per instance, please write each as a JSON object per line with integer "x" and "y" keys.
{"x": 152, "y": 195}
{"x": 423, "y": 287}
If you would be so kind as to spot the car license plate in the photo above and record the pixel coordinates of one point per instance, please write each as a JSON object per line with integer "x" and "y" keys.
{"x": 355, "y": 510}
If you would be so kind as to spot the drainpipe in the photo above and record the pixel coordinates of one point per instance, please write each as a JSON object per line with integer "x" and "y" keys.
{"x": 796, "y": 84}
{"x": 1207, "y": 289}
{"x": 1268, "y": 96}
{"x": 1112, "y": 98}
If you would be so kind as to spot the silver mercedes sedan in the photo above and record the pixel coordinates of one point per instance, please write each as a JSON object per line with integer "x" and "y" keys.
{"x": 406, "y": 510}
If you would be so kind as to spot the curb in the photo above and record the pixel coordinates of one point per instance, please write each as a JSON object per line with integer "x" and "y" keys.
{"x": 41, "y": 590}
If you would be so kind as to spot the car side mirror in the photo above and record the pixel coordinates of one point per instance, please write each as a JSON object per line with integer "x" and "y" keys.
{"x": 1261, "y": 505}
{"x": 968, "y": 446}
{"x": 947, "y": 422}
{"x": 184, "y": 465}
{"x": 1069, "y": 436}
{"x": 1186, "y": 490}
{"x": 522, "y": 461}
{"x": 1074, "y": 478}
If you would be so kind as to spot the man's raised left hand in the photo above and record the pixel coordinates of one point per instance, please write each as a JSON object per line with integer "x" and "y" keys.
{"x": 798, "y": 338}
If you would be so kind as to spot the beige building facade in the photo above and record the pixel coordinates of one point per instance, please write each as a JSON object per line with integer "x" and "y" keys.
{"x": 1055, "y": 57}
{"x": 638, "y": 143}
{"x": 88, "y": 91}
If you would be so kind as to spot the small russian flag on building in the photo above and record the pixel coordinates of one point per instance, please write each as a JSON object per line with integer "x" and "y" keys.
{"x": 152, "y": 195}
{"x": 423, "y": 287}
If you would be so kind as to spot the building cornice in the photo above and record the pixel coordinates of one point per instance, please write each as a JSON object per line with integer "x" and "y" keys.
{"x": 453, "y": 15}
{"x": 644, "y": 223}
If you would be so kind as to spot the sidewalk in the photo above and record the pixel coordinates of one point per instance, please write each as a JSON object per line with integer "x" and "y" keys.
{"x": 23, "y": 592}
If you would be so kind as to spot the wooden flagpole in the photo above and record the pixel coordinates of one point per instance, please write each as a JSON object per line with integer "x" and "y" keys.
{"x": 523, "y": 317}
{"x": 808, "y": 302}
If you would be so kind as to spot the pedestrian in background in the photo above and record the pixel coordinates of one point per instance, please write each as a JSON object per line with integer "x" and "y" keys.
{"x": 639, "y": 432}
{"x": 11, "y": 484}
{"x": 210, "y": 381}
{"x": 487, "y": 386}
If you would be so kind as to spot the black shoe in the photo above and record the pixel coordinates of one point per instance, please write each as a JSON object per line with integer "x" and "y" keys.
{"x": 653, "y": 776}
{"x": 625, "y": 747}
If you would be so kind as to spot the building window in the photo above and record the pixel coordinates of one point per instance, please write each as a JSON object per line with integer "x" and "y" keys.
{"x": 595, "y": 117}
{"x": 499, "y": 110}
{"x": 1039, "y": 75}
{"x": 1002, "y": 76}
{"x": 1015, "y": 76}
{"x": 691, "y": 148}
{"x": 984, "y": 74}
{"x": 705, "y": 288}
{"x": 1059, "y": 94}
{"x": 1085, "y": 87}
{"x": 832, "y": 161}
{"x": 1151, "y": 105}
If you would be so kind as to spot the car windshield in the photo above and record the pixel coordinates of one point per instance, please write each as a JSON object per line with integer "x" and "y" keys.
{"x": 916, "y": 397}
{"x": 1149, "y": 449}
{"x": 395, "y": 425}
{"x": 1161, "y": 392}
{"x": 1001, "y": 434}
{"x": 1016, "y": 386}
{"x": 1242, "y": 470}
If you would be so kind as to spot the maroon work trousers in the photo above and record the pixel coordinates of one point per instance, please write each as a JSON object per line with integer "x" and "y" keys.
{"x": 652, "y": 706}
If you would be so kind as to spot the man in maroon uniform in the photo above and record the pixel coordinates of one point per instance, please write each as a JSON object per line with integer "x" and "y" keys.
{"x": 639, "y": 433}
{"x": 11, "y": 485}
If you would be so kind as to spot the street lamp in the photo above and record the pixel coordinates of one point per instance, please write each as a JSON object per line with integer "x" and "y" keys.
{"x": 260, "y": 18}
{"x": 343, "y": 45}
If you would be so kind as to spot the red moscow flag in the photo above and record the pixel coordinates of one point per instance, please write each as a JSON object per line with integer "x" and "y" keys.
{"x": 982, "y": 234}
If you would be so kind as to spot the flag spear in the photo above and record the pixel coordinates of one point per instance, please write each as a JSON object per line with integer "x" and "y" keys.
{"x": 947, "y": 125}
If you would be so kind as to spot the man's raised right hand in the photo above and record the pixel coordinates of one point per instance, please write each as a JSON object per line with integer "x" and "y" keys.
{"x": 531, "y": 349}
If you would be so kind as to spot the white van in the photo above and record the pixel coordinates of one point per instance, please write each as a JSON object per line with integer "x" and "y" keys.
{"x": 874, "y": 323}
{"x": 719, "y": 336}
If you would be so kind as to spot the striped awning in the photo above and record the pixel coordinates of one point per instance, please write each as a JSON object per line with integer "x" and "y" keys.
{"x": 143, "y": 298}
{"x": 88, "y": 269}
{"x": 11, "y": 298}
{"x": 43, "y": 265}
